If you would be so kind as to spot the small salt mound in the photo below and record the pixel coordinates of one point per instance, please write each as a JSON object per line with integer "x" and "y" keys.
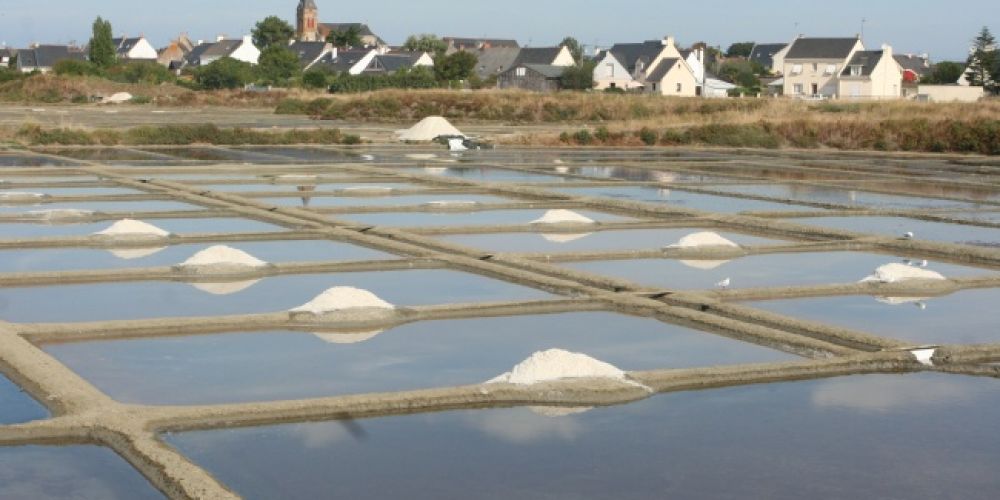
{"x": 20, "y": 196}
{"x": 118, "y": 98}
{"x": 130, "y": 227}
{"x": 59, "y": 214}
{"x": 564, "y": 238}
{"x": 341, "y": 299}
{"x": 428, "y": 129}
{"x": 557, "y": 364}
{"x": 562, "y": 170}
{"x": 225, "y": 288}
{"x": 345, "y": 338}
{"x": 895, "y": 273}
{"x": 702, "y": 240}
{"x": 221, "y": 255}
{"x": 563, "y": 217}
{"x": 704, "y": 265}
{"x": 135, "y": 253}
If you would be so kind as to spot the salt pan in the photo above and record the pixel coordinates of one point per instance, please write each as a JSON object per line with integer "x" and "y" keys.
{"x": 221, "y": 255}
{"x": 557, "y": 364}
{"x": 702, "y": 240}
{"x": 60, "y": 214}
{"x": 20, "y": 196}
{"x": 342, "y": 299}
{"x": 451, "y": 204}
{"x": 130, "y": 227}
{"x": 895, "y": 273}
{"x": 561, "y": 216}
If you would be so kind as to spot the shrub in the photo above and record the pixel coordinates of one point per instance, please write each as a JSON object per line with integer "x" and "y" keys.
{"x": 291, "y": 107}
{"x": 226, "y": 73}
{"x": 583, "y": 137}
{"x": 72, "y": 67}
{"x": 147, "y": 72}
{"x": 648, "y": 136}
{"x": 315, "y": 79}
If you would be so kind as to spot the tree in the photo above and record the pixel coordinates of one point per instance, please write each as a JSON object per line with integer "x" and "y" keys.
{"x": 944, "y": 73}
{"x": 574, "y": 47}
{"x": 272, "y": 30}
{"x": 458, "y": 66}
{"x": 740, "y": 49}
{"x": 578, "y": 77}
{"x": 983, "y": 61}
{"x": 343, "y": 39}
{"x": 277, "y": 64}
{"x": 225, "y": 73}
{"x": 425, "y": 43}
{"x": 741, "y": 73}
{"x": 102, "y": 49}
{"x": 315, "y": 79}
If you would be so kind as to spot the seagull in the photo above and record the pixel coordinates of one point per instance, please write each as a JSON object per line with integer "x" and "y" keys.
{"x": 924, "y": 264}
{"x": 921, "y": 305}
{"x": 724, "y": 284}
{"x": 909, "y": 235}
{"x": 368, "y": 157}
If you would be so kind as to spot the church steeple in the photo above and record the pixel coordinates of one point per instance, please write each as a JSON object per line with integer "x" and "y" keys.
{"x": 307, "y": 24}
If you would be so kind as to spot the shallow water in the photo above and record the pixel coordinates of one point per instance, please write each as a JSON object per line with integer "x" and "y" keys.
{"x": 33, "y": 161}
{"x": 242, "y": 367}
{"x": 961, "y": 318}
{"x": 79, "y": 191}
{"x": 977, "y": 216}
{"x": 64, "y": 259}
{"x": 485, "y": 174}
{"x": 924, "y": 436}
{"x": 757, "y": 270}
{"x": 137, "y": 300}
{"x": 102, "y": 154}
{"x": 215, "y": 154}
{"x": 78, "y": 472}
{"x": 684, "y": 199}
{"x": 303, "y": 154}
{"x": 17, "y": 407}
{"x": 843, "y": 196}
{"x": 175, "y": 226}
{"x": 645, "y": 175}
{"x": 481, "y": 218}
{"x": 635, "y": 239}
{"x": 306, "y": 187}
{"x": 897, "y": 226}
{"x": 103, "y": 206}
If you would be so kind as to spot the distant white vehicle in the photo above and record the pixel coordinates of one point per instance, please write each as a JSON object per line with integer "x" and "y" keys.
{"x": 724, "y": 284}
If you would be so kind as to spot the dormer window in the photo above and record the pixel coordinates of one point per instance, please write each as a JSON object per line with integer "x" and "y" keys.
{"x": 856, "y": 70}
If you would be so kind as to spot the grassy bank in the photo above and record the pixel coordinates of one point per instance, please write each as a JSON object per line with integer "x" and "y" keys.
{"x": 173, "y": 135}
{"x": 980, "y": 136}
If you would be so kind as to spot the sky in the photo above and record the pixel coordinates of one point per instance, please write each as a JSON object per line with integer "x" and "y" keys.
{"x": 914, "y": 26}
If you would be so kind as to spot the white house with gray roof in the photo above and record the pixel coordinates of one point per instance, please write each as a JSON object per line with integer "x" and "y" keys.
{"x": 134, "y": 49}
{"x": 241, "y": 49}
{"x": 655, "y": 66}
{"x": 813, "y": 65}
{"x": 872, "y": 75}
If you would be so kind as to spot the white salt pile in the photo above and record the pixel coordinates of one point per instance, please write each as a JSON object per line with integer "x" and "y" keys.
{"x": 17, "y": 196}
{"x": 61, "y": 214}
{"x": 564, "y": 238}
{"x": 428, "y": 129}
{"x": 703, "y": 240}
{"x": 557, "y": 364}
{"x": 561, "y": 216}
{"x": 451, "y": 204}
{"x": 347, "y": 338}
{"x": 126, "y": 228}
{"x": 343, "y": 298}
{"x": 135, "y": 253}
{"x": 222, "y": 256}
{"x": 895, "y": 273}
{"x": 225, "y": 288}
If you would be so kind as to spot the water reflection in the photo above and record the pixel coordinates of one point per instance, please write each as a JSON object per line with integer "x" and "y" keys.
{"x": 78, "y": 472}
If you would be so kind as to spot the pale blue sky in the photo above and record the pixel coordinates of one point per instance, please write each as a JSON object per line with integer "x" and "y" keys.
{"x": 941, "y": 28}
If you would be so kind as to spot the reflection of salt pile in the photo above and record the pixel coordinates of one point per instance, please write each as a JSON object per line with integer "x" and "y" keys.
{"x": 221, "y": 257}
{"x": 561, "y": 216}
{"x": 429, "y": 129}
{"x": 559, "y": 411}
{"x": 564, "y": 238}
{"x": 436, "y": 170}
{"x": 59, "y": 215}
{"x": 895, "y": 273}
{"x": 704, "y": 265}
{"x": 557, "y": 364}
{"x": 225, "y": 288}
{"x": 345, "y": 299}
{"x": 451, "y": 204}
{"x": 295, "y": 178}
{"x": 899, "y": 301}
{"x": 20, "y": 197}
{"x": 346, "y": 338}
{"x": 129, "y": 229}
{"x": 366, "y": 190}
{"x": 703, "y": 240}
{"x": 135, "y": 253}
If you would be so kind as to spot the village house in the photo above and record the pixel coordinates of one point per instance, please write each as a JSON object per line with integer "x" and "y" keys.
{"x": 813, "y": 65}
{"x": 770, "y": 56}
{"x": 309, "y": 29}
{"x": 173, "y": 55}
{"x": 492, "y": 62}
{"x": 241, "y": 49}
{"x": 352, "y": 62}
{"x": 533, "y": 77}
{"x": 134, "y": 49}
{"x": 311, "y": 53}
{"x": 397, "y": 61}
{"x": 914, "y": 67}
{"x": 655, "y": 66}
{"x": 456, "y": 44}
{"x": 6, "y": 56}
{"x": 871, "y": 75}
{"x": 43, "y": 58}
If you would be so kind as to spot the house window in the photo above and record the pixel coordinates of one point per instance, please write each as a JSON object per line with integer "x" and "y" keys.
{"x": 830, "y": 69}
{"x": 612, "y": 70}
{"x": 680, "y": 87}
{"x": 521, "y": 72}
{"x": 797, "y": 89}
{"x": 654, "y": 87}
{"x": 797, "y": 69}
{"x": 815, "y": 67}
{"x": 855, "y": 70}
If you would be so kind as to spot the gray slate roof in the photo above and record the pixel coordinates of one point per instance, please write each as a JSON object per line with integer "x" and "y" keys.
{"x": 821, "y": 48}
{"x": 763, "y": 53}
{"x": 495, "y": 60}
{"x": 477, "y": 43}
{"x": 628, "y": 54}
{"x": 867, "y": 59}
{"x": 125, "y": 44}
{"x": 916, "y": 64}
{"x": 215, "y": 49}
{"x": 391, "y": 63}
{"x": 346, "y": 59}
{"x": 307, "y": 52}
{"x": 538, "y": 55}
{"x": 46, "y": 56}
{"x": 546, "y": 70}
{"x": 661, "y": 69}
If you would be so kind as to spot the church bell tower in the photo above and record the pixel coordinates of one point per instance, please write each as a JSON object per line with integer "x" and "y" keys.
{"x": 307, "y": 25}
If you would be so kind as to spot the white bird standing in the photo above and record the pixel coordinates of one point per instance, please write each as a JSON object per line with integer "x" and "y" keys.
{"x": 924, "y": 264}
{"x": 909, "y": 235}
{"x": 724, "y": 284}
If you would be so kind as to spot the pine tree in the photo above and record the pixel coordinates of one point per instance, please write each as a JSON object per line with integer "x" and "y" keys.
{"x": 984, "y": 61}
{"x": 102, "y": 50}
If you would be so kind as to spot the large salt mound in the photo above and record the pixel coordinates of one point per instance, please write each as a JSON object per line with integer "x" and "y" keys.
{"x": 561, "y": 216}
{"x": 895, "y": 273}
{"x": 130, "y": 227}
{"x": 221, "y": 255}
{"x": 343, "y": 298}
{"x": 702, "y": 240}
{"x": 557, "y": 364}
{"x": 20, "y": 196}
{"x": 59, "y": 214}
{"x": 429, "y": 129}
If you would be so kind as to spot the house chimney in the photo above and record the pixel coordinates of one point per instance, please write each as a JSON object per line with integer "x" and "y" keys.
{"x": 886, "y": 50}
{"x": 668, "y": 41}
{"x": 248, "y": 39}
{"x": 219, "y": 38}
